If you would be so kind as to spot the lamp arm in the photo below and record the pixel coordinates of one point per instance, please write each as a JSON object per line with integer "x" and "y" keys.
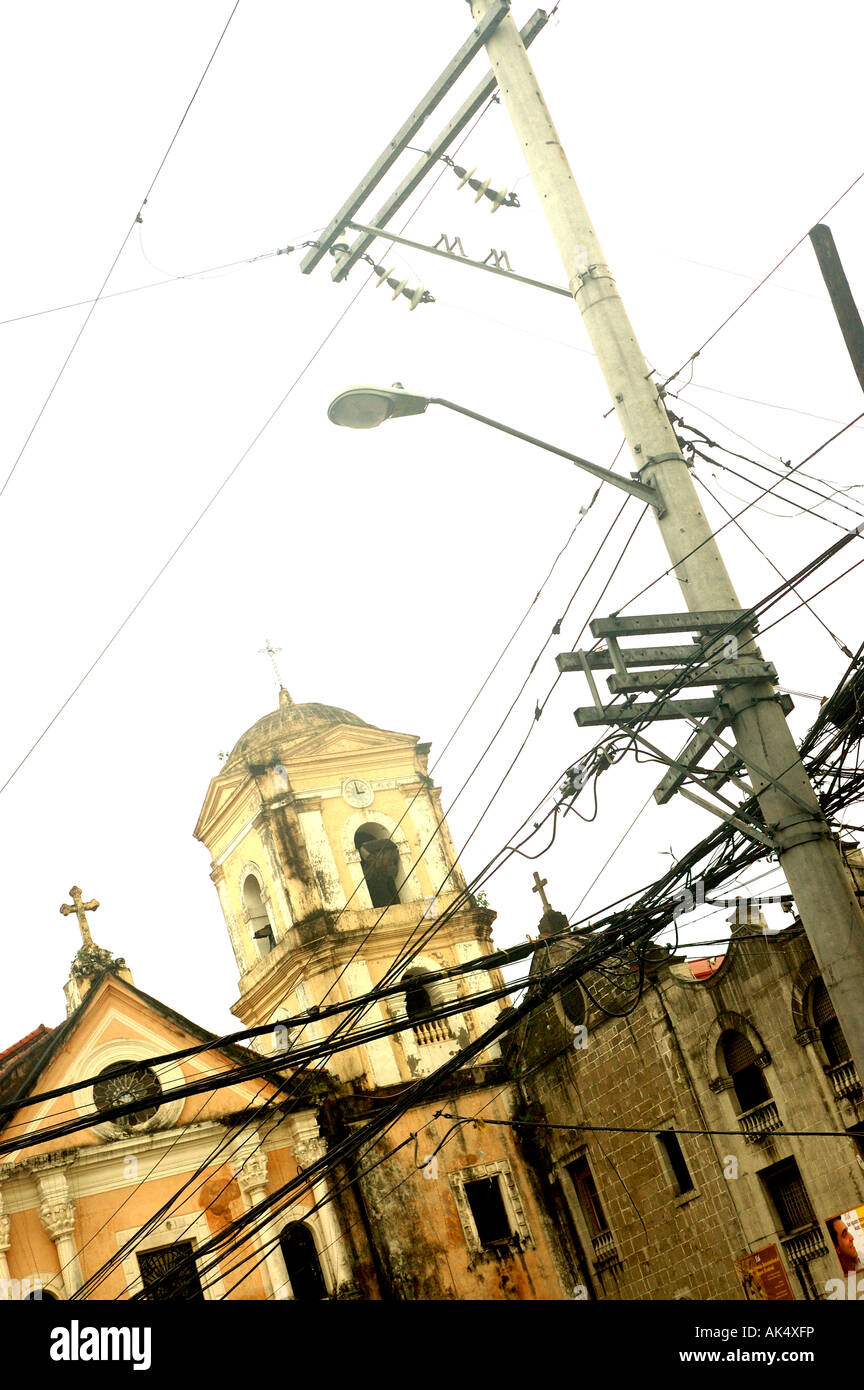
{"x": 646, "y": 492}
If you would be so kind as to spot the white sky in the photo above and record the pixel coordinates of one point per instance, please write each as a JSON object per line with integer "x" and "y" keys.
{"x": 390, "y": 567}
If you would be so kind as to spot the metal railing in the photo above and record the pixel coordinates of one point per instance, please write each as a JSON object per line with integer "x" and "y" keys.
{"x": 759, "y": 1122}
{"x": 605, "y": 1252}
{"x": 805, "y": 1246}
{"x": 435, "y": 1031}
{"x": 845, "y": 1080}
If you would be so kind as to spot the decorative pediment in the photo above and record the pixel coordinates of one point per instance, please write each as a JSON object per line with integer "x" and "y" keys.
{"x": 346, "y": 741}
{"x": 118, "y": 1023}
{"x": 221, "y": 797}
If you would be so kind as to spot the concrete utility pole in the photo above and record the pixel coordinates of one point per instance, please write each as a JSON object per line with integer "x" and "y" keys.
{"x": 808, "y": 851}
{"x": 843, "y": 304}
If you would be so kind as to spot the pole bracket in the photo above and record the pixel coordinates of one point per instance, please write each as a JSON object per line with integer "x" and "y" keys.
{"x": 799, "y": 830}
{"x": 663, "y": 458}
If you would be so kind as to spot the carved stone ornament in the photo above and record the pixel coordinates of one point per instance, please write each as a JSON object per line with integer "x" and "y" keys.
{"x": 308, "y": 1151}
{"x": 253, "y": 1174}
{"x": 58, "y": 1218}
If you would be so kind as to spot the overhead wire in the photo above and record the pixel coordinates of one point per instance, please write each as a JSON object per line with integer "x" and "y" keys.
{"x": 489, "y": 962}
{"x": 152, "y": 285}
{"x": 334, "y": 330}
{"x": 76, "y": 340}
{"x": 716, "y": 531}
{"x": 794, "y": 478}
{"x": 415, "y": 1093}
{"x": 658, "y": 1129}
{"x": 746, "y": 300}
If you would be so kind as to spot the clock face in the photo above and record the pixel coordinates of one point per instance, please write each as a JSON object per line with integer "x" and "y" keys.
{"x": 357, "y": 792}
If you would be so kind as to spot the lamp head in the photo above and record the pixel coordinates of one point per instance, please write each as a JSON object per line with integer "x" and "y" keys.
{"x": 364, "y": 407}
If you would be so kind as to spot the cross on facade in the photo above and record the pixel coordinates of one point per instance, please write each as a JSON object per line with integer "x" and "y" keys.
{"x": 80, "y": 909}
{"x": 539, "y": 885}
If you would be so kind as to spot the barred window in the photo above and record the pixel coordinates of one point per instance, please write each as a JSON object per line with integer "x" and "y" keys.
{"x": 825, "y": 1019}
{"x": 170, "y": 1273}
{"x": 785, "y": 1187}
{"x": 588, "y": 1196}
{"x": 751, "y": 1088}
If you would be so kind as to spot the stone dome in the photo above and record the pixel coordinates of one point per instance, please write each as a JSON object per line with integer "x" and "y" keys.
{"x": 285, "y": 725}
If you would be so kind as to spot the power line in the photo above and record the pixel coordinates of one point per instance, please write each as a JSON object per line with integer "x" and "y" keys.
{"x": 426, "y": 195}
{"x": 716, "y": 532}
{"x": 842, "y": 645}
{"x": 794, "y": 479}
{"x": 788, "y": 585}
{"x": 545, "y": 987}
{"x": 757, "y": 287}
{"x": 152, "y": 285}
{"x": 120, "y": 251}
{"x": 187, "y": 534}
{"x": 839, "y": 544}
{"x": 626, "y": 916}
{"x": 258, "y": 1116}
{"x": 751, "y": 400}
{"x": 657, "y": 1129}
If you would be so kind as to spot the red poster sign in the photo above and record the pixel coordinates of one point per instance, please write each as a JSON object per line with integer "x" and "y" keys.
{"x": 763, "y": 1275}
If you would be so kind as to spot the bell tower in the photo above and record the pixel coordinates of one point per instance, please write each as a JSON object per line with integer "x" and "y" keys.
{"x": 330, "y": 856}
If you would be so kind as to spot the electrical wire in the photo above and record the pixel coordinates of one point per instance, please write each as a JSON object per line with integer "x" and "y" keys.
{"x": 367, "y": 281}
{"x": 152, "y": 285}
{"x": 795, "y": 480}
{"x": 821, "y": 621}
{"x": 187, "y": 534}
{"x": 659, "y": 1129}
{"x": 76, "y": 340}
{"x": 746, "y": 300}
{"x": 684, "y": 1132}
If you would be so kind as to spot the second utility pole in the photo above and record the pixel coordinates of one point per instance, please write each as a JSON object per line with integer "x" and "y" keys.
{"x": 806, "y": 847}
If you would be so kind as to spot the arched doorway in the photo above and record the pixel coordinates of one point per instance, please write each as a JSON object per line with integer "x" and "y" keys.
{"x": 301, "y": 1261}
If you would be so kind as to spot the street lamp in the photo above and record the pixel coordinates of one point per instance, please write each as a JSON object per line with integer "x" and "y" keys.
{"x": 364, "y": 407}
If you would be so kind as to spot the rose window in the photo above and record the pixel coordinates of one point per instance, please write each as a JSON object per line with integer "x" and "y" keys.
{"x": 133, "y": 1083}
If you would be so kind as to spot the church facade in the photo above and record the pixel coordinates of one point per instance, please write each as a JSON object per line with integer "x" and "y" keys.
{"x": 706, "y": 1143}
{"x": 336, "y": 875}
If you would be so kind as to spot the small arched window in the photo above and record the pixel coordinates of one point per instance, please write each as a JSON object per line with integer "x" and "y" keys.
{"x": 825, "y": 1019}
{"x": 418, "y": 1003}
{"x": 301, "y": 1261}
{"x": 748, "y": 1080}
{"x": 259, "y": 922}
{"x": 573, "y": 1004}
{"x": 379, "y": 858}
